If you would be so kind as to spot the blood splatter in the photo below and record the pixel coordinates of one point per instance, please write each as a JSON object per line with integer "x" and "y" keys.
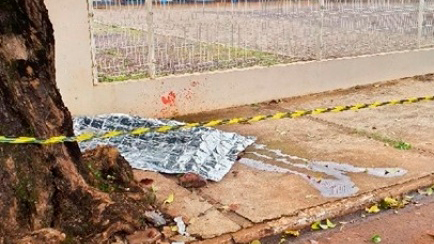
{"x": 169, "y": 99}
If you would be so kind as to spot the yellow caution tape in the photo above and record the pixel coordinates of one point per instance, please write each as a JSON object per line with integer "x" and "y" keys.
{"x": 232, "y": 121}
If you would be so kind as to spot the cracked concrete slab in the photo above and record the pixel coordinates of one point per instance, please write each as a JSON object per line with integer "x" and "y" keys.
{"x": 201, "y": 217}
{"x": 411, "y": 123}
{"x": 298, "y": 168}
{"x": 267, "y": 195}
{"x": 186, "y": 204}
{"x": 263, "y": 195}
{"x": 211, "y": 224}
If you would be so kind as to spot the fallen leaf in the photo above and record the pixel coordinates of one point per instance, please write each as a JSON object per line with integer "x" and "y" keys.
{"x": 292, "y": 232}
{"x": 324, "y": 227}
{"x": 427, "y": 192}
{"x": 174, "y": 228}
{"x": 168, "y": 232}
{"x": 315, "y": 225}
{"x": 169, "y": 199}
{"x": 376, "y": 239}
{"x": 391, "y": 202}
{"x": 373, "y": 209}
{"x": 255, "y": 242}
{"x": 154, "y": 189}
{"x": 408, "y": 197}
{"x": 330, "y": 224}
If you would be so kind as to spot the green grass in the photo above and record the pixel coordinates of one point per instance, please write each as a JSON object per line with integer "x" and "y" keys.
{"x": 119, "y": 78}
{"x": 402, "y": 145}
{"x": 397, "y": 144}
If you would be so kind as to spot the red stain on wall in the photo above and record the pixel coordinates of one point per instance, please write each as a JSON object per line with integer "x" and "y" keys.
{"x": 170, "y": 104}
{"x": 169, "y": 99}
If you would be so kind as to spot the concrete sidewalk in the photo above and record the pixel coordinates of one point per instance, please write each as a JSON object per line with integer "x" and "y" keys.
{"x": 312, "y": 168}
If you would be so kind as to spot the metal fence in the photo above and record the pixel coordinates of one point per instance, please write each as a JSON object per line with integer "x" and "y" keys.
{"x": 138, "y": 39}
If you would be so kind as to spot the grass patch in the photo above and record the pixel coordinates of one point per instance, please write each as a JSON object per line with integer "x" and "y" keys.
{"x": 397, "y": 144}
{"x": 126, "y": 77}
{"x": 402, "y": 145}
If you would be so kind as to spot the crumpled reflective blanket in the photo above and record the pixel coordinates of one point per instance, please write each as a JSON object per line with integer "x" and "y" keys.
{"x": 207, "y": 152}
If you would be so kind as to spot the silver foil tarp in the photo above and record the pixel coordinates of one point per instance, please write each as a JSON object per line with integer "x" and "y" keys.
{"x": 207, "y": 152}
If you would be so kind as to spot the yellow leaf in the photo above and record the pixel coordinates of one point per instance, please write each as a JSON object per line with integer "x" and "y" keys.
{"x": 174, "y": 228}
{"x": 154, "y": 189}
{"x": 373, "y": 209}
{"x": 391, "y": 202}
{"x": 292, "y": 232}
{"x": 330, "y": 224}
{"x": 255, "y": 242}
{"x": 316, "y": 225}
{"x": 429, "y": 191}
{"x": 170, "y": 198}
{"x": 324, "y": 227}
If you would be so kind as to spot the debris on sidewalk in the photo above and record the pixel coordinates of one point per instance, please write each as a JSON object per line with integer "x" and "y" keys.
{"x": 155, "y": 217}
{"x": 376, "y": 239}
{"x": 191, "y": 180}
{"x": 170, "y": 199}
{"x": 207, "y": 152}
{"x": 181, "y": 226}
{"x": 183, "y": 236}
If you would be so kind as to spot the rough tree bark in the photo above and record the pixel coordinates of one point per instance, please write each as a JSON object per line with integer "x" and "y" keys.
{"x": 52, "y": 186}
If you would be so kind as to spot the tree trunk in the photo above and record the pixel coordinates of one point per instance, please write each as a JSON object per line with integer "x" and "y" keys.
{"x": 51, "y": 186}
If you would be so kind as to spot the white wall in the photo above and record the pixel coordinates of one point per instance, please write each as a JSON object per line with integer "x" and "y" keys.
{"x": 177, "y": 95}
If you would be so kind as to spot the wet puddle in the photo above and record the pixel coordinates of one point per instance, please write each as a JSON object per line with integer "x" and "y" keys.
{"x": 330, "y": 178}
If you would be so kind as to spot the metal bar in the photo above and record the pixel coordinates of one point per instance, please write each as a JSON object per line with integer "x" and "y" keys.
{"x": 92, "y": 42}
{"x": 320, "y": 42}
{"x": 151, "y": 41}
{"x": 420, "y": 22}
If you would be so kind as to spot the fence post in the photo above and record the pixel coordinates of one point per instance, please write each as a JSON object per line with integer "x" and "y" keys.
{"x": 420, "y": 22}
{"x": 92, "y": 41}
{"x": 320, "y": 42}
{"x": 151, "y": 40}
